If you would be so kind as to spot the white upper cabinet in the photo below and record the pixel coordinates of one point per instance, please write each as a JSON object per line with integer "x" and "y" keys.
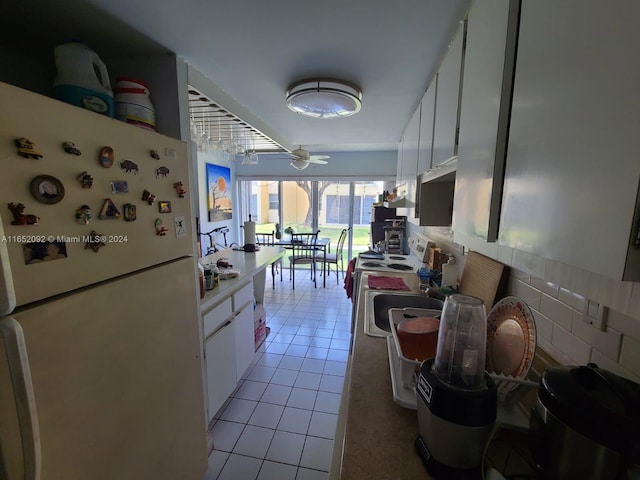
{"x": 484, "y": 119}
{"x": 408, "y": 164}
{"x": 410, "y": 159}
{"x": 447, "y": 100}
{"x": 399, "y": 163}
{"x": 572, "y": 171}
{"x": 427, "y": 118}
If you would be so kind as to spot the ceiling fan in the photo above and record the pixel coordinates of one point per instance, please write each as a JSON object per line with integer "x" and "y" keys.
{"x": 302, "y": 159}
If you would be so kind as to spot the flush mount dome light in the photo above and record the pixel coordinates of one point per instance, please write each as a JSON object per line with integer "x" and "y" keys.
{"x": 324, "y": 98}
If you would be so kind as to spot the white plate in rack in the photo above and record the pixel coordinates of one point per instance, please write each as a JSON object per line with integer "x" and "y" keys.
{"x": 511, "y": 338}
{"x": 511, "y": 343}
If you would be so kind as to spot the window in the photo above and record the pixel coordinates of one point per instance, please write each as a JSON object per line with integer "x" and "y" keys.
{"x": 274, "y": 201}
{"x": 337, "y": 209}
{"x": 337, "y": 205}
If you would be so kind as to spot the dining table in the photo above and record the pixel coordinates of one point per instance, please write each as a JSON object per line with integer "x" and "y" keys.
{"x": 321, "y": 245}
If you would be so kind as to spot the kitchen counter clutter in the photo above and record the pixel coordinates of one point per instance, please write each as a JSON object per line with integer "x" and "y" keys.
{"x": 375, "y": 437}
{"x": 248, "y": 264}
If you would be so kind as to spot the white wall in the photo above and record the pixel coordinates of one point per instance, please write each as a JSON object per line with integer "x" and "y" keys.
{"x": 200, "y": 195}
{"x": 358, "y": 165}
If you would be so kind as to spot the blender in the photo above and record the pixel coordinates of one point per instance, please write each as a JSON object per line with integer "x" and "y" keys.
{"x": 456, "y": 398}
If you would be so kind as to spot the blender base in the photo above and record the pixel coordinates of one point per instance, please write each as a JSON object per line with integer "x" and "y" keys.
{"x": 439, "y": 471}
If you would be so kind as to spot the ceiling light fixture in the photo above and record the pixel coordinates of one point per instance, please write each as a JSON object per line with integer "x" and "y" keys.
{"x": 324, "y": 98}
{"x": 299, "y": 164}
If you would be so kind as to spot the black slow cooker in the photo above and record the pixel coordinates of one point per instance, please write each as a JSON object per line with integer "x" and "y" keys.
{"x": 586, "y": 424}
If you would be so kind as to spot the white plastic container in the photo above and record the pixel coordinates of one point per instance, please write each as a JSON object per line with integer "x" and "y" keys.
{"x": 133, "y": 103}
{"x": 407, "y": 366}
{"x": 449, "y": 273}
{"x": 82, "y": 79}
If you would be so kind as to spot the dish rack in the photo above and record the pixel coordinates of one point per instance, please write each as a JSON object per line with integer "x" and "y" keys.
{"x": 404, "y": 370}
{"x": 510, "y": 392}
{"x": 404, "y": 377}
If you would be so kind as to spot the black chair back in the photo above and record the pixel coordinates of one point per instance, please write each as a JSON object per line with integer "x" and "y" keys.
{"x": 265, "y": 238}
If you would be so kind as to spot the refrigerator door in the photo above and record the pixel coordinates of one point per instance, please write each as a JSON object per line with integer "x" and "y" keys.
{"x": 31, "y": 268}
{"x": 117, "y": 381}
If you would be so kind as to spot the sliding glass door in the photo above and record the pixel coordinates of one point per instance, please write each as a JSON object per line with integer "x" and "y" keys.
{"x": 306, "y": 206}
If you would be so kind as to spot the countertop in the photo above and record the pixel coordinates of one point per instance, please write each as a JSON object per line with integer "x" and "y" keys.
{"x": 375, "y": 435}
{"x": 378, "y": 433}
{"x": 247, "y": 263}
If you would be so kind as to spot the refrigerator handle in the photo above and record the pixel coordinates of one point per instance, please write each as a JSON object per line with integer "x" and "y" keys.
{"x": 18, "y": 361}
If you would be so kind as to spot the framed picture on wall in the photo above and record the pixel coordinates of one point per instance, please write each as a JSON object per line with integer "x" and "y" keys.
{"x": 219, "y": 193}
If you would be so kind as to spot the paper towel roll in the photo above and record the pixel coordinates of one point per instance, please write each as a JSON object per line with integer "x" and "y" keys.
{"x": 249, "y": 233}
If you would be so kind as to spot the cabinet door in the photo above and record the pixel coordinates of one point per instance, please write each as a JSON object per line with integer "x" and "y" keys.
{"x": 244, "y": 339}
{"x": 427, "y": 117}
{"x": 220, "y": 354}
{"x": 444, "y": 136}
{"x": 407, "y": 185}
{"x": 484, "y": 115}
{"x": 572, "y": 170}
{"x": 399, "y": 164}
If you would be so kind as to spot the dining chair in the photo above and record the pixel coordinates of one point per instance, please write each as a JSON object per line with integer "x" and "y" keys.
{"x": 269, "y": 239}
{"x": 303, "y": 252}
{"x": 334, "y": 258}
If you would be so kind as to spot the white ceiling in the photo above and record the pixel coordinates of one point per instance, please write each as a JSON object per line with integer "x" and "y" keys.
{"x": 254, "y": 49}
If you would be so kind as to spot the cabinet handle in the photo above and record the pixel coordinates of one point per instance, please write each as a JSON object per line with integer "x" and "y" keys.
{"x": 220, "y": 328}
{"x": 18, "y": 360}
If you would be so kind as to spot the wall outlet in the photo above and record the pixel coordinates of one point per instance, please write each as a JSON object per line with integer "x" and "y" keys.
{"x": 595, "y": 314}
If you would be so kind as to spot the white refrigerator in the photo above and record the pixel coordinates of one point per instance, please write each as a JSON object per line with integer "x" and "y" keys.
{"x": 100, "y": 368}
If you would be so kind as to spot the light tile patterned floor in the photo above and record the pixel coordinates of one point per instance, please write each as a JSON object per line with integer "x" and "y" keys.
{"x": 280, "y": 423}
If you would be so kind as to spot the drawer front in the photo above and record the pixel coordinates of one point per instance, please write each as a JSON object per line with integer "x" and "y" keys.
{"x": 216, "y": 317}
{"x": 242, "y": 296}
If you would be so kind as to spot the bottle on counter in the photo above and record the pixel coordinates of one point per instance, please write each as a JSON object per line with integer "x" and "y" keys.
{"x": 424, "y": 274}
{"x": 215, "y": 271}
{"x": 201, "y": 279}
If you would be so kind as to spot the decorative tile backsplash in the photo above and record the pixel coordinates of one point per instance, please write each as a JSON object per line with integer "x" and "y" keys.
{"x": 556, "y": 293}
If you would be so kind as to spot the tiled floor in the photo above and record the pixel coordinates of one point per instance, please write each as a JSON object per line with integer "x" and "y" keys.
{"x": 280, "y": 423}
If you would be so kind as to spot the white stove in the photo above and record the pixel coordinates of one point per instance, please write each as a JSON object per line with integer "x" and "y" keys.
{"x": 386, "y": 262}
{"x": 391, "y": 262}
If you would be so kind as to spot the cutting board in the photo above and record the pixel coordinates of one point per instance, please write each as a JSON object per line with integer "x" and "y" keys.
{"x": 485, "y": 278}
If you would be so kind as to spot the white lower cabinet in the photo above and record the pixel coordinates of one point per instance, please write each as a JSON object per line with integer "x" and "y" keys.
{"x": 229, "y": 350}
{"x": 221, "y": 373}
{"x": 244, "y": 339}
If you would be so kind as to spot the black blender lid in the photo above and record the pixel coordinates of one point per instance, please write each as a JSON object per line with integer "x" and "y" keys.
{"x": 596, "y": 403}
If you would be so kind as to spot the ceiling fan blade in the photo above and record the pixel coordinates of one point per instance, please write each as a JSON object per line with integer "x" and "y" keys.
{"x": 317, "y": 161}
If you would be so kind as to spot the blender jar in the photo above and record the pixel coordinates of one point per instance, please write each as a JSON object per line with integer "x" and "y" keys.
{"x": 460, "y": 354}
